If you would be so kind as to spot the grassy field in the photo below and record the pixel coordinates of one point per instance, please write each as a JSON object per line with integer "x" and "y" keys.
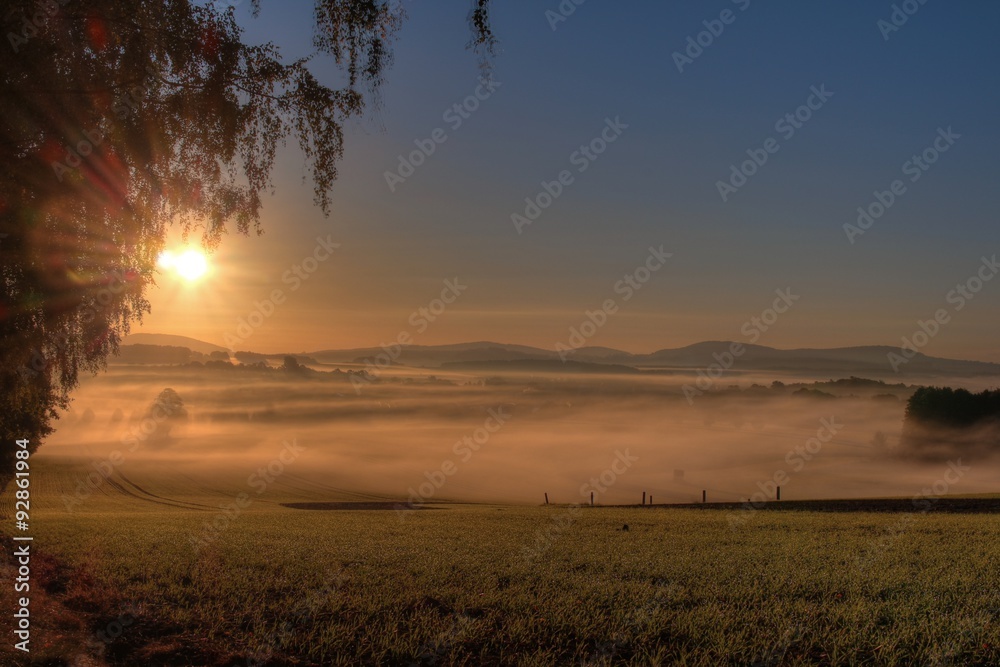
{"x": 477, "y": 584}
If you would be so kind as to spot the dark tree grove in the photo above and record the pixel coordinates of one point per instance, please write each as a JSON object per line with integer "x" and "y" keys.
{"x": 944, "y": 406}
{"x": 942, "y": 422}
{"x": 122, "y": 118}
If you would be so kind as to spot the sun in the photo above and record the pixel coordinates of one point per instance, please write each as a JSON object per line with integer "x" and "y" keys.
{"x": 190, "y": 264}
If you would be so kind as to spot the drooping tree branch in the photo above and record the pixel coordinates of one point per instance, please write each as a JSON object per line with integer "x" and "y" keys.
{"x": 127, "y": 117}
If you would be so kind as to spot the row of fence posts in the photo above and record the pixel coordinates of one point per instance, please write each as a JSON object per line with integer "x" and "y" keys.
{"x": 704, "y": 497}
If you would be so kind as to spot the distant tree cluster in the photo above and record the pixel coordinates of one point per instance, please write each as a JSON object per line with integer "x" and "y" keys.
{"x": 944, "y": 406}
{"x": 291, "y": 366}
{"x": 854, "y": 381}
{"x": 942, "y": 422}
{"x": 812, "y": 393}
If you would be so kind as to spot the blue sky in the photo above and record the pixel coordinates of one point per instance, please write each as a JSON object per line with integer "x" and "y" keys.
{"x": 657, "y": 184}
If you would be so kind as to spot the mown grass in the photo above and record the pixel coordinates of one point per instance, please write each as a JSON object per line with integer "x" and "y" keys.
{"x": 455, "y": 586}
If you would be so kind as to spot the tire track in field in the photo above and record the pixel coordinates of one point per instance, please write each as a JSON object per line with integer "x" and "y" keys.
{"x": 153, "y": 495}
{"x": 125, "y": 492}
{"x": 121, "y": 488}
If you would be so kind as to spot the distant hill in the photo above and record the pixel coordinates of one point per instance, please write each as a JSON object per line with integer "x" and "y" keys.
{"x": 171, "y": 341}
{"x": 863, "y": 359}
{"x": 435, "y": 355}
{"x": 870, "y": 360}
{"x": 140, "y": 353}
{"x": 539, "y": 366}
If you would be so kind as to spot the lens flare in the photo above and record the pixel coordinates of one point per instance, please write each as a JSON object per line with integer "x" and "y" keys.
{"x": 191, "y": 264}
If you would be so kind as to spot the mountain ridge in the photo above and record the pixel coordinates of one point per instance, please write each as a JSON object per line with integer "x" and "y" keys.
{"x": 701, "y": 355}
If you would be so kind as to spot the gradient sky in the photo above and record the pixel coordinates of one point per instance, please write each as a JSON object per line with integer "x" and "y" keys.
{"x": 655, "y": 185}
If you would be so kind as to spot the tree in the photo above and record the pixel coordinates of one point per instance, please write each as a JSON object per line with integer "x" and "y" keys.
{"x": 168, "y": 405}
{"x": 166, "y": 410}
{"x": 122, "y": 118}
{"x": 944, "y": 406}
{"x": 291, "y": 365}
{"x": 941, "y": 422}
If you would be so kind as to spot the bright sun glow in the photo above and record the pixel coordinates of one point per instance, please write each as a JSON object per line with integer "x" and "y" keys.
{"x": 191, "y": 264}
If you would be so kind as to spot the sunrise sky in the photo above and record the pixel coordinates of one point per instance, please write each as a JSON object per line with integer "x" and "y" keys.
{"x": 656, "y": 184}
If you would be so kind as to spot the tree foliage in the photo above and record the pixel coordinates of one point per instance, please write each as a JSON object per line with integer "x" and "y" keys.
{"x": 943, "y": 423}
{"x": 944, "y": 406}
{"x": 122, "y": 118}
{"x": 168, "y": 405}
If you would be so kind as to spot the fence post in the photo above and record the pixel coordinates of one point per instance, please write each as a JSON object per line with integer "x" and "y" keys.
{"x": 644, "y": 498}
{"x": 703, "y": 495}
{"x": 779, "y": 494}
{"x": 546, "y": 499}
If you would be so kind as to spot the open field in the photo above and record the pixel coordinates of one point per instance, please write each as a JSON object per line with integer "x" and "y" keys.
{"x": 492, "y": 584}
{"x": 276, "y": 524}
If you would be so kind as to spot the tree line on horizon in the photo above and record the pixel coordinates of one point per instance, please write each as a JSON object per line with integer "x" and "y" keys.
{"x": 945, "y": 406}
{"x": 942, "y": 421}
